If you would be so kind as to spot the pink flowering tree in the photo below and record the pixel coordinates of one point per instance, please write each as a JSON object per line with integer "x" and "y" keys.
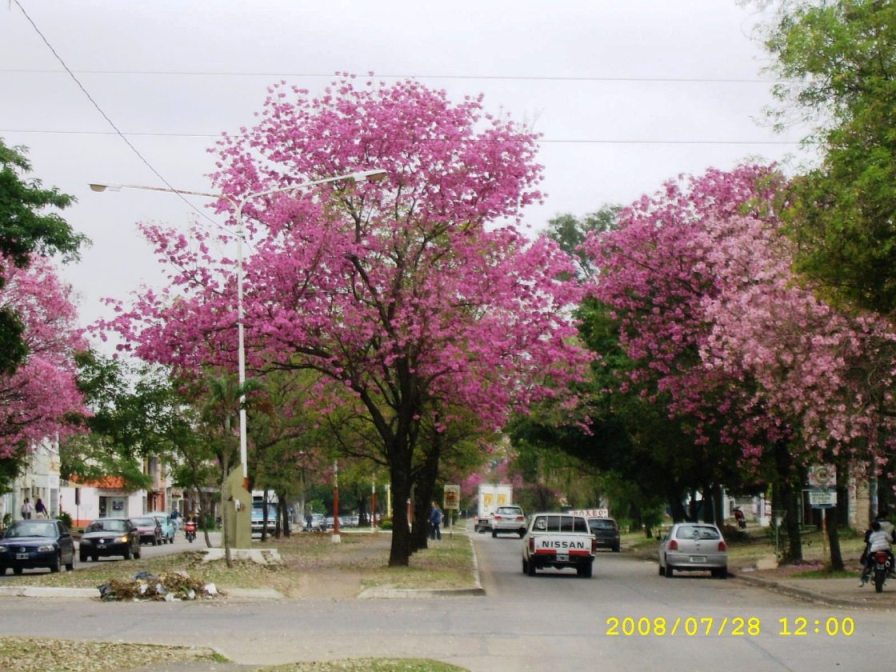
{"x": 700, "y": 278}
{"x": 413, "y": 295}
{"x": 656, "y": 276}
{"x": 37, "y": 398}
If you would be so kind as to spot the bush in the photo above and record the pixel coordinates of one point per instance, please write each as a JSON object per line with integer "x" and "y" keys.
{"x": 386, "y": 524}
{"x": 65, "y": 518}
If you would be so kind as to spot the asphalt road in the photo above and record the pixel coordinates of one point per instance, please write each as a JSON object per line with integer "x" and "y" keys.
{"x": 552, "y": 620}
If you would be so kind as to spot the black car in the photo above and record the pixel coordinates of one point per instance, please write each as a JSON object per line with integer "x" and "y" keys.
{"x": 109, "y": 536}
{"x": 27, "y": 544}
{"x": 606, "y": 531}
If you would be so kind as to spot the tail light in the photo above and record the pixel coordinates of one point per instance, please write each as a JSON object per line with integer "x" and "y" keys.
{"x": 673, "y": 545}
{"x": 723, "y": 546}
{"x": 881, "y": 557}
{"x": 531, "y": 545}
{"x": 520, "y": 518}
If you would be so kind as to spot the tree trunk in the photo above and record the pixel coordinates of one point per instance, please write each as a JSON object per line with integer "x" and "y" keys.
{"x": 836, "y": 515}
{"x": 400, "y": 551}
{"x": 789, "y": 497}
{"x": 425, "y": 478}
{"x": 676, "y": 508}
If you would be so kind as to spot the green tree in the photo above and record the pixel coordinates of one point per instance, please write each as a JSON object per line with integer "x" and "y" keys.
{"x": 570, "y": 232}
{"x": 28, "y": 226}
{"x": 837, "y": 64}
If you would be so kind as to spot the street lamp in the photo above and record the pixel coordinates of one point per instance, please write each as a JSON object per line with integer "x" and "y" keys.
{"x": 239, "y": 205}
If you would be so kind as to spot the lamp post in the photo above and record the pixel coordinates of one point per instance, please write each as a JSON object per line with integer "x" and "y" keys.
{"x": 336, "y": 536}
{"x": 239, "y": 206}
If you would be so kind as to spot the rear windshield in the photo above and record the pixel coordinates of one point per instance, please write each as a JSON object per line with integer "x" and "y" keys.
{"x": 107, "y": 525}
{"x": 602, "y": 524}
{"x": 510, "y": 511}
{"x": 560, "y": 524}
{"x": 697, "y": 532}
{"x": 144, "y": 521}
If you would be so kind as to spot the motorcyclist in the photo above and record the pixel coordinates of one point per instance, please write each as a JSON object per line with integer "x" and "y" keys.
{"x": 876, "y": 539}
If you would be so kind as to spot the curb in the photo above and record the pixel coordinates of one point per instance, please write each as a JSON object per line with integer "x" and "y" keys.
{"x": 422, "y": 593}
{"x": 41, "y": 591}
{"x": 806, "y": 595}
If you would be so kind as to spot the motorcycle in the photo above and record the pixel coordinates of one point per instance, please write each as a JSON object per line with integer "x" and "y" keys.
{"x": 880, "y": 564}
{"x": 190, "y": 530}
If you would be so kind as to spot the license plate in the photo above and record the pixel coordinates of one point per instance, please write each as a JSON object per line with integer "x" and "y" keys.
{"x": 698, "y": 558}
{"x": 21, "y": 556}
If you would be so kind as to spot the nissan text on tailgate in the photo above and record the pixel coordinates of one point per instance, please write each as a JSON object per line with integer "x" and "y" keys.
{"x": 558, "y": 540}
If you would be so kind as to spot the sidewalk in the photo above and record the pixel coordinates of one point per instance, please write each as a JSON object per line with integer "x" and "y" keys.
{"x": 836, "y": 592}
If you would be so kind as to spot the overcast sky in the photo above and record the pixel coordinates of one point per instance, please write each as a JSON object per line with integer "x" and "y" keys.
{"x": 627, "y": 93}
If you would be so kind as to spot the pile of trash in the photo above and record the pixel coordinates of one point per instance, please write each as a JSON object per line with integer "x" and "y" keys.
{"x": 166, "y": 587}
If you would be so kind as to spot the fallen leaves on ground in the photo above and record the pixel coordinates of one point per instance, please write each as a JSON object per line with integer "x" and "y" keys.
{"x": 35, "y": 654}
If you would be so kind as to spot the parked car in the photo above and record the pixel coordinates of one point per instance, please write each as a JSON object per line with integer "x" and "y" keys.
{"x": 694, "y": 547}
{"x": 149, "y": 529}
{"x": 27, "y": 544}
{"x": 257, "y": 518}
{"x": 509, "y": 519}
{"x": 169, "y": 529}
{"x": 109, "y": 536}
{"x": 606, "y": 531}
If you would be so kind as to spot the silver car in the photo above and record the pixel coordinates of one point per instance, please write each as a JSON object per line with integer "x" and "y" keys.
{"x": 694, "y": 547}
{"x": 509, "y": 519}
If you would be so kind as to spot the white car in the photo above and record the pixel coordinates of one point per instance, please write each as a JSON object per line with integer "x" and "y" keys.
{"x": 509, "y": 519}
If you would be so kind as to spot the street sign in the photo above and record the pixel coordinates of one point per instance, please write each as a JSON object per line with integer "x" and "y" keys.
{"x": 822, "y": 499}
{"x": 452, "y": 498}
{"x": 822, "y": 476}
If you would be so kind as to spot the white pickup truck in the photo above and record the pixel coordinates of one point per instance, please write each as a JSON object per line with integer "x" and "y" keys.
{"x": 558, "y": 540}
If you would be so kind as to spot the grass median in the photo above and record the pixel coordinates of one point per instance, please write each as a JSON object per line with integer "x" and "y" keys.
{"x": 313, "y": 566}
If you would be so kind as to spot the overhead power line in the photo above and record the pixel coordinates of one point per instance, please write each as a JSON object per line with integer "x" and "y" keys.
{"x": 547, "y": 141}
{"x": 116, "y": 130}
{"x": 318, "y": 75}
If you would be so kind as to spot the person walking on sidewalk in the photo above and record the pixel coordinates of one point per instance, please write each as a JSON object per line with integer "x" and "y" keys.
{"x": 435, "y": 522}
{"x": 27, "y": 509}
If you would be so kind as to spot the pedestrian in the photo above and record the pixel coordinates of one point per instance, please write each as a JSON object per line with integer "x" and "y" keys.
{"x": 175, "y": 519}
{"x": 435, "y": 522}
{"x": 40, "y": 511}
{"x": 27, "y": 509}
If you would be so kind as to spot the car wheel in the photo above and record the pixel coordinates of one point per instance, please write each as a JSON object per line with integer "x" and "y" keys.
{"x": 127, "y": 552}
{"x": 17, "y": 571}
{"x": 530, "y": 570}
{"x": 155, "y": 542}
{"x": 494, "y": 533}
{"x": 668, "y": 571}
{"x": 82, "y": 556}
{"x": 54, "y": 564}
{"x": 721, "y": 573}
{"x": 525, "y": 566}
{"x": 662, "y": 572}
{"x": 589, "y": 570}
{"x": 522, "y": 532}
{"x": 616, "y": 548}
{"x": 70, "y": 565}
{"x": 96, "y": 557}
{"x": 137, "y": 554}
